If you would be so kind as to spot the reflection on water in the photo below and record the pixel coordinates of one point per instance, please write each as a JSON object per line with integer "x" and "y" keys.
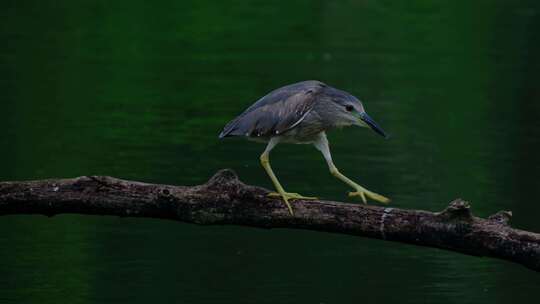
{"x": 141, "y": 91}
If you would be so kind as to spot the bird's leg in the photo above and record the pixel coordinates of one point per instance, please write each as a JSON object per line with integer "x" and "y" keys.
{"x": 360, "y": 191}
{"x": 322, "y": 145}
{"x": 265, "y": 162}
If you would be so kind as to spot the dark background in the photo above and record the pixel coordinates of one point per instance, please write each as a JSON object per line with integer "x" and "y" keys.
{"x": 141, "y": 89}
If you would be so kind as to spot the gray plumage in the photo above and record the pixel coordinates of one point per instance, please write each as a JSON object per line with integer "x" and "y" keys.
{"x": 297, "y": 113}
{"x": 302, "y": 113}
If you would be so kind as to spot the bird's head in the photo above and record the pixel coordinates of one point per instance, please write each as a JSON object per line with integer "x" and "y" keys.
{"x": 347, "y": 110}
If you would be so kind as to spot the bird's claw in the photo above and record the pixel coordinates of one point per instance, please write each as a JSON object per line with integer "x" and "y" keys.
{"x": 374, "y": 196}
{"x": 286, "y": 196}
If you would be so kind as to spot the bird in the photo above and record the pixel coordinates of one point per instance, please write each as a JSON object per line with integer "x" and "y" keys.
{"x": 302, "y": 113}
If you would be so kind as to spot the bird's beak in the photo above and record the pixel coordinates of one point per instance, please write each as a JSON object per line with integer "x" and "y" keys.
{"x": 372, "y": 124}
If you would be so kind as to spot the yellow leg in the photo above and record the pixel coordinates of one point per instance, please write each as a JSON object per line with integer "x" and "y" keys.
{"x": 265, "y": 162}
{"x": 360, "y": 191}
{"x": 322, "y": 144}
{"x": 292, "y": 195}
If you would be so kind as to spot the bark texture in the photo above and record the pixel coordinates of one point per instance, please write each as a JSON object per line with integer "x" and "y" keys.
{"x": 224, "y": 199}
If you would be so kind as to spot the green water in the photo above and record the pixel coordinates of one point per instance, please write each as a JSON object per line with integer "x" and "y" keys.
{"x": 140, "y": 90}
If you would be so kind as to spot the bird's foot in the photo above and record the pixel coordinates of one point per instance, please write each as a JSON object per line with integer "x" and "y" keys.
{"x": 290, "y": 195}
{"x": 286, "y": 196}
{"x": 363, "y": 193}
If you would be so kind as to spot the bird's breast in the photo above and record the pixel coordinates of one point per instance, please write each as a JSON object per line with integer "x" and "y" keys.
{"x": 306, "y": 131}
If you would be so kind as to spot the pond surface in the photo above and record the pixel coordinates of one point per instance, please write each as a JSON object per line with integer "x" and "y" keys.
{"x": 140, "y": 91}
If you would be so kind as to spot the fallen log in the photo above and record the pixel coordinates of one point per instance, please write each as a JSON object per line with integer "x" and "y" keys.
{"x": 225, "y": 200}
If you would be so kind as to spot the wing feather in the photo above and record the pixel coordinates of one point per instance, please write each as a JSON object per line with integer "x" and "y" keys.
{"x": 277, "y": 112}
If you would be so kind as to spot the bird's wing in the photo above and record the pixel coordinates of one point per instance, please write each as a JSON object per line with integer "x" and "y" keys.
{"x": 276, "y": 112}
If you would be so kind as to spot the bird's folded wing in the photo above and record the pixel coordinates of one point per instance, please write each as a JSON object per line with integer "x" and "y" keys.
{"x": 277, "y": 112}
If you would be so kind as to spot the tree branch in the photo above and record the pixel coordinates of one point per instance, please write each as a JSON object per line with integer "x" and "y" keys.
{"x": 225, "y": 200}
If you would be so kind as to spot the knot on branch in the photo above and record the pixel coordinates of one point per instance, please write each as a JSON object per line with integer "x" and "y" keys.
{"x": 223, "y": 179}
{"x": 502, "y": 217}
{"x": 458, "y": 209}
{"x": 102, "y": 181}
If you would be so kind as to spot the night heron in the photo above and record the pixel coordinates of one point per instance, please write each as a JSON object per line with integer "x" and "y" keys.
{"x": 301, "y": 113}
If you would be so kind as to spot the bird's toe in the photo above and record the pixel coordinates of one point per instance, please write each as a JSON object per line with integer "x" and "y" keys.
{"x": 372, "y": 195}
{"x": 291, "y": 195}
{"x": 360, "y": 194}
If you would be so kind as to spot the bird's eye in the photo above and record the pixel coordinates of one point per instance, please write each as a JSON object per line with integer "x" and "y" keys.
{"x": 349, "y": 108}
